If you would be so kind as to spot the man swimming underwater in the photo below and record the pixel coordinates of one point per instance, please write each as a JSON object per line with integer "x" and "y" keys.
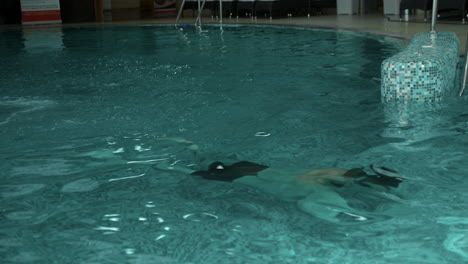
{"x": 314, "y": 190}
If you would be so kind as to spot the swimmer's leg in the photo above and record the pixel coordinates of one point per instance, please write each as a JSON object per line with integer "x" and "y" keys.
{"x": 326, "y": 204}
{"x": 189, "y": 144}
{"x": 101, "y": 157}
{"x": 100, "y": 154}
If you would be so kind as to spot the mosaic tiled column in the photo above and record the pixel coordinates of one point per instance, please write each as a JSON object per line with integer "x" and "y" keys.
{"x": 424, "y": 71}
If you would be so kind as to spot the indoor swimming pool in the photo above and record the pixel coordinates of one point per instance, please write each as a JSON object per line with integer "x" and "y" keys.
{"x": 81, "y": 109}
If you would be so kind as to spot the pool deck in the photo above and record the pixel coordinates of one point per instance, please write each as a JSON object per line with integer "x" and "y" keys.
{"x": 377, "y": 24}
{"x": 371, "y": 23}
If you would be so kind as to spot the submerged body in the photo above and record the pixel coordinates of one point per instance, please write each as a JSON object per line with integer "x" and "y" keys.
{"x": 314, "y": 190}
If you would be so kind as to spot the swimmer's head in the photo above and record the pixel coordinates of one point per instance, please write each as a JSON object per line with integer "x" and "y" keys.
{"x": 216, "y": 166}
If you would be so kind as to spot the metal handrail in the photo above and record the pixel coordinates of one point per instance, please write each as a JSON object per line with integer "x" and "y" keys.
{"x": 201, "y": 6}
{"x": 435, "y": 10}
{"x": 200, "y": 9}
{"x": 220, "y": 11}
{"x": 465, "y": 74}
{"x": 180, "y": 12}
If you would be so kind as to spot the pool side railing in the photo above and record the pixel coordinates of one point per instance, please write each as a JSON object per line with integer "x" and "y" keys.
{"x": 201, "y": 6}
{"x": 435, "y": 10}
{"x": 425, "y": 70}
{"x": 465, "y": 71}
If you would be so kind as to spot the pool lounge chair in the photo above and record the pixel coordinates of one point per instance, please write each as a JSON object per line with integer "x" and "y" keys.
{"x": 229, "y": 7}
{"x": 245, "y": 5}
{"x": 425, "y": 5}
{"x": 193, "y": 4}
{"x": 292, "y": 6}
{"x": 319, "y": 4}
{"x": 457, "y": 5}
{"x": 265, "y": 5}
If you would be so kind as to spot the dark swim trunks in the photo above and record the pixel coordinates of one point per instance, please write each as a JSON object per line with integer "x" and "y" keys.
{"x": 363, "y": 179}
{"x": 219, "y": 172}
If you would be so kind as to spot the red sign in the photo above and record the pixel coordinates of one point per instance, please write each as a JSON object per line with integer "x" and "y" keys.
{"x": 164, "y": 8}
{"x": 40, "y": 11}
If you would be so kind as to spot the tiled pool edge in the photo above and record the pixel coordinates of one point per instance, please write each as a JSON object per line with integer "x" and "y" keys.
{"x": 424, "y": 71}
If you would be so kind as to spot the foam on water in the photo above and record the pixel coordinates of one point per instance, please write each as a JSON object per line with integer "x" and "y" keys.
{"x": 13, "y": 107}
{"x": 17, "y": 190}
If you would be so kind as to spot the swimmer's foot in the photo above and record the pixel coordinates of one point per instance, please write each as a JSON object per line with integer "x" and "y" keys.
{"x": 385, "y": 177}
{"x": 165, "y": 166}
{"x": 347, "y": 218}
{"x": 382, "y": 171}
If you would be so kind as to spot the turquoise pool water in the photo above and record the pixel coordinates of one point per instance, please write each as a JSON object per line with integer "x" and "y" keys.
{"x": 80, "y": 109}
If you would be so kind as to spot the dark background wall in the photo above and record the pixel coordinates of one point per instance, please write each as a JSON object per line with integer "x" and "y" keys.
{"x": 10, "y": 12}
{"x": 74, "y": 11}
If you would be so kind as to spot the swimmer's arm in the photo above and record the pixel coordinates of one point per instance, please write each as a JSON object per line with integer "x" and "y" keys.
{"x": 190, "y": 145}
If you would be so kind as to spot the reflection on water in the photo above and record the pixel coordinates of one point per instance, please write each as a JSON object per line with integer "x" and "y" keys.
{"x": 38, "y": 40}
{"x": 12, "y": 107}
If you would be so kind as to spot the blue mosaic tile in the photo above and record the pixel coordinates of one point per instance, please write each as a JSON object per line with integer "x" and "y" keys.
{"x": 424, "y": 71}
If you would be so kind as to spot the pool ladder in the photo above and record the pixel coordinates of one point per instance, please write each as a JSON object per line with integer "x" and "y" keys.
{"x": 433, "y": 30}
{"x": 201, "y": 6}
{"x": 465, "y": 71}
